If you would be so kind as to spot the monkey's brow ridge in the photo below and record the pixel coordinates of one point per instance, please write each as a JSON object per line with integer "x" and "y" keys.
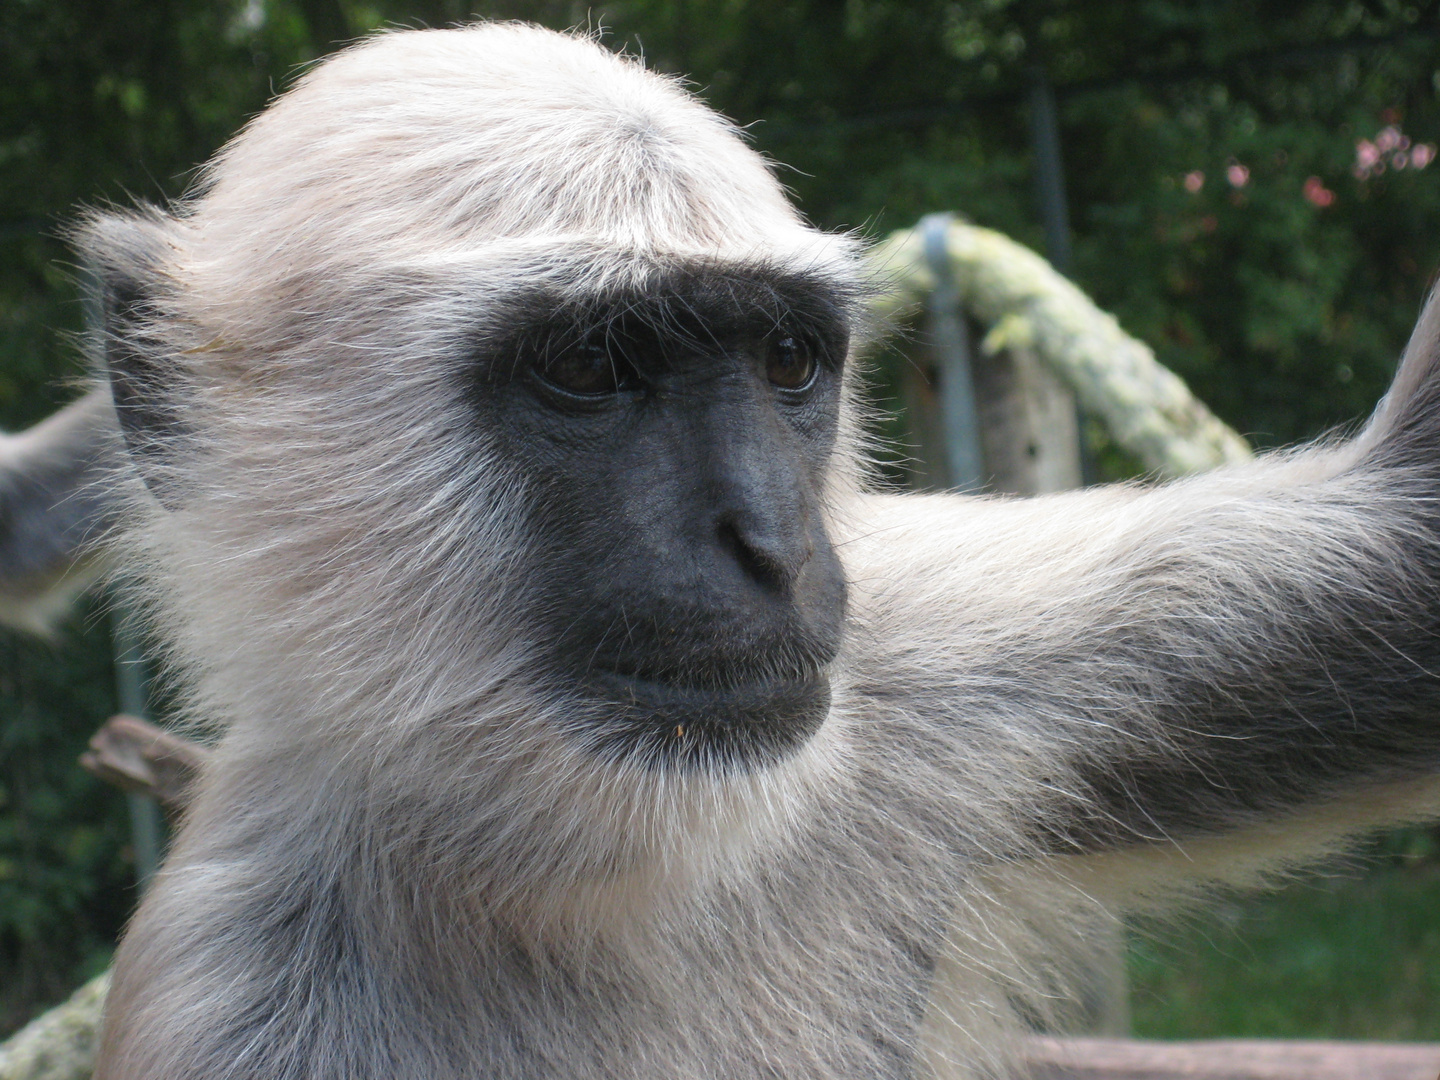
{"x": 700, "y": 306}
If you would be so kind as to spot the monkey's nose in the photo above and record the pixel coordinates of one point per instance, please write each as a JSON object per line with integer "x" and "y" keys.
{"x": 772, "y": 554}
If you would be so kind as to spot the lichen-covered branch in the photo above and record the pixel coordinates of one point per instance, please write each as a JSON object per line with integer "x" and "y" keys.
{"x": 60, "y": 1044}
{"x": 1021, "y": 301}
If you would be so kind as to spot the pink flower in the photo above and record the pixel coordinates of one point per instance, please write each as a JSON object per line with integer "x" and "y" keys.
{"x": 1422, "y": 155}
{"x": 1388, "y": 139}
{"x": 1194, "y": 181}
{"x": 1238, "y": 175}
{"x": 1316, "y": 191}
{"x": 1399, "y": 159}
{"x": 1366, "y": 154}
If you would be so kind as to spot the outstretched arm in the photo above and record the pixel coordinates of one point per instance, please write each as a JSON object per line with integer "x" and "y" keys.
{"x": 56, "y": 500}
{"x": 1183, "y": 660}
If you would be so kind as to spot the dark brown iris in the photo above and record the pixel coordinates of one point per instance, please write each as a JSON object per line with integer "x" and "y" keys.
{"x": 588, "y": 370}
{"x": 790, "y": 363}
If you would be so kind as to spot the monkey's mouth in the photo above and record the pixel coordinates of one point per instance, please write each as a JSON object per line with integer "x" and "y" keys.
{"x": 746, "y": 725}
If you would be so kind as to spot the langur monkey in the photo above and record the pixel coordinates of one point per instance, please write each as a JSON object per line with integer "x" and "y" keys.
{"x": 584, "y": 709}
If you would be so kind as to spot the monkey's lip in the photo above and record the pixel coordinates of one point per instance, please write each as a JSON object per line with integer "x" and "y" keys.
{"x": 744, "y": 725}
{"x": 627, "y": 688}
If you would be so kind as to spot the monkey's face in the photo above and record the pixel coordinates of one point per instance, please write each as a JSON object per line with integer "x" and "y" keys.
{"x": 673, "y": 439}
{"x": 488, "y": 391}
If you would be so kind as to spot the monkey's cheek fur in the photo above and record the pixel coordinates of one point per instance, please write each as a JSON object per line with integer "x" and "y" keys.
{"x": 740, "y": 728}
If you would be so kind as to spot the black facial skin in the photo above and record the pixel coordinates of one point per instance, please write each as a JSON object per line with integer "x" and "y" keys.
{"x": 674, "y": 441}
{"x": 148, "y": 397}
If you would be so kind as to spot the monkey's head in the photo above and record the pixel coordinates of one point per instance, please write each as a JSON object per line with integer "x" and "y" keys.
{"x": 489, "y": 398}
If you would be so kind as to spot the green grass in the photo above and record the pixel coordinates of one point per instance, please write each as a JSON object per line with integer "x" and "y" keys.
{"x": 1354, "y": 958}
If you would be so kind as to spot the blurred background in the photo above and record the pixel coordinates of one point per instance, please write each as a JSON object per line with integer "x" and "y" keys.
{"x": 1251, "y": 187}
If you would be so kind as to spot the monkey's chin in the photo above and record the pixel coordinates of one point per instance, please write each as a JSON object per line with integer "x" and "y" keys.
{"x": 743, "y": 727}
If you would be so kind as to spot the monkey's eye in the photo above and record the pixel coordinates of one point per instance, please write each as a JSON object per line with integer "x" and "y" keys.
{"x": 589, "y": 369}
{"x": 790, "y": 363}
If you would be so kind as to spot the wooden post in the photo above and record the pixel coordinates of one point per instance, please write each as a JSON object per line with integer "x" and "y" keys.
{"x": 1029, "y": 427}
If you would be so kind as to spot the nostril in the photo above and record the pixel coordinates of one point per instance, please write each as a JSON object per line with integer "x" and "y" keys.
{"x": 769, "y": 561}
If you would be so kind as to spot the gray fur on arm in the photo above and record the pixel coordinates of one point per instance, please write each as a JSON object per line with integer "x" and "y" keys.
{"x": 54, "y": 506}
{"x": 1178, "y": 661}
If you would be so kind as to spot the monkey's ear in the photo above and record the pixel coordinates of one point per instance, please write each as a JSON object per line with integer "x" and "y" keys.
{"x": 129, "y": 256}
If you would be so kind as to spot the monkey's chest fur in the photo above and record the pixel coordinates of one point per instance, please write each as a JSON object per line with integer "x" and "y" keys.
{"x": 798, "y": 975}
{"x": 741, "y": 1001}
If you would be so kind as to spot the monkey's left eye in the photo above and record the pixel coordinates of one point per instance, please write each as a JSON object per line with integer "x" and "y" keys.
{"x": 790, "y": 363}
{"x": 588, "y": 370}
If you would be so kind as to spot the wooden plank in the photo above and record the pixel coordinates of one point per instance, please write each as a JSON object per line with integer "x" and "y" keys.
{"x": 1229, "y": 1059}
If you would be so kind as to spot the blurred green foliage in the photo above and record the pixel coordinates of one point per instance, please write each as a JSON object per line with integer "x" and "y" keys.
{"x": 65, "y": 875}
{"x": 1192, "y": 132}
{"x": 1333, "y": 958}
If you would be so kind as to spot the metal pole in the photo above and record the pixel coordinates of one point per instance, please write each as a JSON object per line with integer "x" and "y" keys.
{"x": 950, "y": 339}
{"x": 133, "y": 690}
{"x": 1054, "y": 206}
{"x": 1049, "y": 170}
